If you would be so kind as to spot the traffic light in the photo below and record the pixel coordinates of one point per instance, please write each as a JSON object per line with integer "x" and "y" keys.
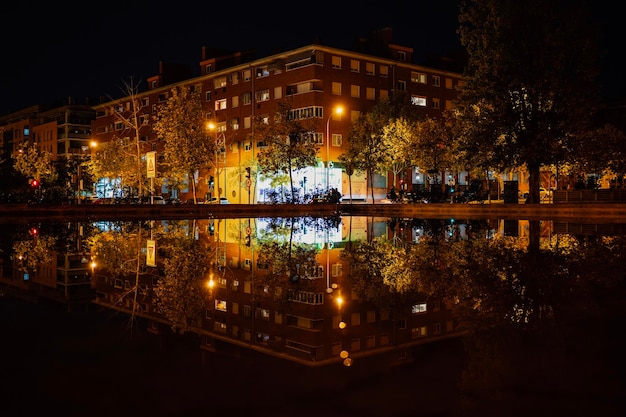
{"x": 34, "y": 183}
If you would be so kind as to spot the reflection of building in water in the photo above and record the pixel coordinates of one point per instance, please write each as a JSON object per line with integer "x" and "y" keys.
{"x": 321, "y": 321}
{"x": 38, "y": 271}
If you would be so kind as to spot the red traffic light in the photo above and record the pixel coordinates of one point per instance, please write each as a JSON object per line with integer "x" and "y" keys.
{"x": 34, "y": 183}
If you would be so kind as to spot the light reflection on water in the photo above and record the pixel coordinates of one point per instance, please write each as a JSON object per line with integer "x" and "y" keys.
{"x": 352, "y": 291}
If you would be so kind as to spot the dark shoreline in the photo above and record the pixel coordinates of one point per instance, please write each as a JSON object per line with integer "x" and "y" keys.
{"x": 596, "y": 212}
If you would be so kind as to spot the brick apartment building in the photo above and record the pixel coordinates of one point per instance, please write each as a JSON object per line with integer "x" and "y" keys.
{"x": 314, "y": 80}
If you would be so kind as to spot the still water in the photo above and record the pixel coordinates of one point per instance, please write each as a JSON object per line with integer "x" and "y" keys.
{"x": 335, "y": 316}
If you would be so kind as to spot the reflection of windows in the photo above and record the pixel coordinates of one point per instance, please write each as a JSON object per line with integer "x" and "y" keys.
{"x": 418, "y": 308}
{"x": 417, "y": 332}
{"x": 220, "y": 305}
{"x": 263, "y": 313}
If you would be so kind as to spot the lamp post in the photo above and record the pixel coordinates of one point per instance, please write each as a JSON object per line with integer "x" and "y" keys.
{"x": 213, "y": 127}
{"x": 338, "y": 111}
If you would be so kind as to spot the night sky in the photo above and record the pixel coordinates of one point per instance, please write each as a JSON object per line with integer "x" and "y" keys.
{"x": 52, "y": 51}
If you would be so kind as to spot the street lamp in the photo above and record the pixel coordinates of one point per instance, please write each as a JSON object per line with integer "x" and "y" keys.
{"x": 216, "y": 187}
{"x": 337, "y": 110}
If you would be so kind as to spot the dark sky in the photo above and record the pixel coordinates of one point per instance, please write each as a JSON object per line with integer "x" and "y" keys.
{"x": 52, "y": 51}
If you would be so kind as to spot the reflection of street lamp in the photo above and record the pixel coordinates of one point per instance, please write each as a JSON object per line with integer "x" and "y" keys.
{"x": 338, "y": 111}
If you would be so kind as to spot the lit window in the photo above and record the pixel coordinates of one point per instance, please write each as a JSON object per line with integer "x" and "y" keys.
{"x": 418, "y": 101}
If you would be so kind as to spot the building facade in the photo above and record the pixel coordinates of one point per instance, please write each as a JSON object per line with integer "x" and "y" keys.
{"x": 314, "y": 80}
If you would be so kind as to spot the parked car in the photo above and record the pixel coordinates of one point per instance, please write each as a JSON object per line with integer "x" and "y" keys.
{"x": 223, "y": 200}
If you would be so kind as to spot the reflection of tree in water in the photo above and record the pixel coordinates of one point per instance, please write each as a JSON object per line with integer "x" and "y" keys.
{"x": 119, "y": 249}
{"x": 181, "y": 291}
{"x": 537, "y": 313}
{"x": 290, "y": 266}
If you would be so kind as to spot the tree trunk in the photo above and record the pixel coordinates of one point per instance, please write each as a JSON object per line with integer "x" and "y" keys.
{"x": 533, "y": 184}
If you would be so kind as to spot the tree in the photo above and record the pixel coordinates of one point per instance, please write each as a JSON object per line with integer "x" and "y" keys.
{"x": 367, "y": 148}
{"x": 133, "y": 121}
{"x": 530, "y": 86}
{"x": 289, "y": 143}
{"x": 400, "y": 136}
{"x": 180, "y": 122}
{"x": 433, "y": 148}
{"x": 35, "y": 164}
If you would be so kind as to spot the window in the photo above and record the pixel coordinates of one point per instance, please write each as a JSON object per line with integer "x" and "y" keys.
{"x": 336, "y": 88}
{"x": 436, "y": 103}
{"x": 337, "y": 269}
{"x": 145, "y": 101}
{"x": 418, "y": 101}
{"x": 219, "y": 82}
{"x": 247, "y": 75}
{"x": 247, "y": 122}
{"x": 449, "y": 83}
{"x": 370, "y": 93}
{"x": 383, "y": 70}
{"x": 449, "y": 105}
{"x": 208, "y": 69}
{"x": 262, "y": 72}
{"x": 306, "y": 113}
{"x": 436, "y": 80}
{"x": 401, "y": 85}
{"x": 263, "y": 95}
{"x": 235, "y": 101}
{"x": 278, "y": 93}
{"x": 355, "y": 319}
{"x": 315, "y": 137}
{"x": 371, "y": 316}
{"x": 383, "y": 93}
{"x": 401, "y": 56}
{"x": 418, "y": 77}
{"x": 355, "y": 65}
{"x": 221, "y": 104}
{"x": 336, "y": 62}
{"x": 355, "y": 90}
{"x": 337, "y": 141}
{"x": 207, "y": 96}
{"x": 370, "y": 68}
{"x": 246, "y": 98}
{"x": 234, "y": 78}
